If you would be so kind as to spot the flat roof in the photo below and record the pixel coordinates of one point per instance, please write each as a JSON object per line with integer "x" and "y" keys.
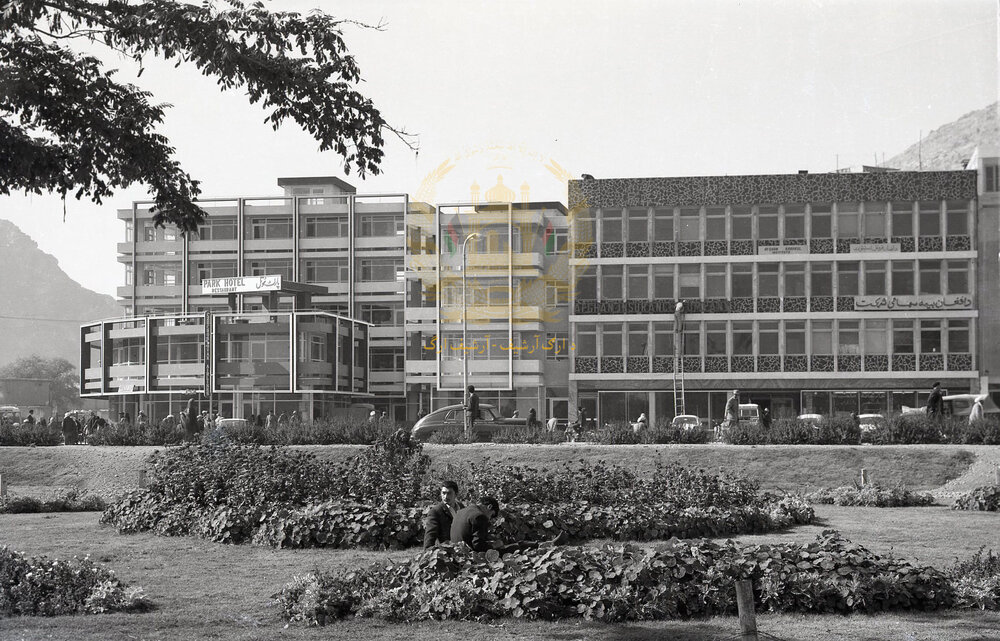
{"x": 295, "y": 181}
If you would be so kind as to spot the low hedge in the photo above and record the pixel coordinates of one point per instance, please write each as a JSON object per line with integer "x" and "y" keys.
{"x": 619, "y": 583}
{"x": 340, "y": 524}
{"x": 29, "y": 434}
{"x": 981, "y": 499}
{"x": 873, "y": 495}
{"x": 72, "y": 501}
{"x": 40, "y": 586}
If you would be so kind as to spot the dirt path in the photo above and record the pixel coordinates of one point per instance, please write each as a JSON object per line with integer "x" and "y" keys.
{"x": 983, "y": 471}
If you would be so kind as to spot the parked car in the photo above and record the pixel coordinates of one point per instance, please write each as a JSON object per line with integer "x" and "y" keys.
{"x": 871, "y": 422}
{"x": 231, "y": 423}
{"x": 453, "y": 416}
{"x": 749, "y": 414}
{"x": 961, "y": 404}
{"x": 10, "y": 414}
{"x": 686, "y": 422}
{"x": 812, "y": 420}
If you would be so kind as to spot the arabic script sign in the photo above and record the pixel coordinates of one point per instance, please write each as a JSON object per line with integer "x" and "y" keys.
{"x": 889, "y": 303}
{"x": 866, "y": 248}
{"x": 241, "y": 284}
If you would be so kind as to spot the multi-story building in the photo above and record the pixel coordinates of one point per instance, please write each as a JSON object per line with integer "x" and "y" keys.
{"x": 826, "y": 293}
{"x": 351, "y": 267}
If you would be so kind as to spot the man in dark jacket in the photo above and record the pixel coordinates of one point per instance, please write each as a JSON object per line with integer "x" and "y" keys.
{"x": 934, "y": 403}
{"x": 472, "y": 411}
{"x": 437, "y": 522}
{"x": 472, "y": 524}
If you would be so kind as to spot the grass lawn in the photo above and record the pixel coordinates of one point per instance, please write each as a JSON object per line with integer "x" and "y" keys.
{"x": 110, "y": 470}
{"x": 210, "y": 591}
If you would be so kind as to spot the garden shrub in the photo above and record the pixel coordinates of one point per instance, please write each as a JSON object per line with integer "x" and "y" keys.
{"x": 29, "y": 434}
{"x": 873, "y": 495}
{"x": 977, "y": 581}
{"x": 619, "y": 583}
{"x": 449, "y": 435}
{"x": 71, "y": 501}
{"x": 49, "y": 587}
{"x": 982, "y": 499}
{"x": 528, "y": 435}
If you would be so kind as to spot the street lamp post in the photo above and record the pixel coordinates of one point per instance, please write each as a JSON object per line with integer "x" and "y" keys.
{"x": 465, "y": 327}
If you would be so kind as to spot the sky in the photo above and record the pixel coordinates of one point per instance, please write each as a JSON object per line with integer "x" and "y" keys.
{"x": 530, "y": 92}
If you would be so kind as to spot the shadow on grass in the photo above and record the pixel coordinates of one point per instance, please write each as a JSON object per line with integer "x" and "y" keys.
{"x": 680, "y": 630}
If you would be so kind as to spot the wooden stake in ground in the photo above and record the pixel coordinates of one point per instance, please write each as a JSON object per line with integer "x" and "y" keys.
{"x": 998, "y": 474}
{"x": 744, "y": 606}
{"x": 3, "y": 486}
{"x": 864, "y": 477}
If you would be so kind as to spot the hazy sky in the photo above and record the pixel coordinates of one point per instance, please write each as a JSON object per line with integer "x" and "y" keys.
{"x": 614, "y": 89}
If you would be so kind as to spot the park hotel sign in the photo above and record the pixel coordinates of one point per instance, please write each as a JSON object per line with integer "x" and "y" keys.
{"x": 241, "y": 284}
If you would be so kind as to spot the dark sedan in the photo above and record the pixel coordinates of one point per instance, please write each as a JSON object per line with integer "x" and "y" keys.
{"x": 452, "y": 417}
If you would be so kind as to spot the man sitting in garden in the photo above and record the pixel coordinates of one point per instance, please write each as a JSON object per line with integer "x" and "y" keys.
{"x": 472, "y": 525}
{"x": 437, "y": 522}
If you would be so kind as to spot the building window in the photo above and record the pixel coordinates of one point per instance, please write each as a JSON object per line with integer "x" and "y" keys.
{"x": 875, "y": 284}
{"x": 129, "y": 231}
{"x": 263, "y": 228}
{"x": 742, "y": 223}
{"x": 689, "y": 282}
{"x": 586, "y": 284}
{"x": 128, "y": 351}
{"x": 819, "y": 221}
{"x": 611, "y": 282}
{"x": 325, "y": 227}
{"x": 586, "y": 339}
{"x": 715, "y": 223}
{"x": 177, "y": 349}
{"x": 638, "y": 282}
{"x": 638, "y": 220}
{"x": 326, "y": 270}
{"x": 715, "y": 339}
{"x": 212, "y": 269}
{"x": 847, "y": 220}
{"x": 767, "y": 222}
{"x": 279, "y": 266}
{"x": 958, "y": 336}
{"x": 875, "y": 337}
{"x": 743, "y": 338}
{"x": 663, "y": 224}
{"x": 382, "y": 313}
{"x": 795, "y": 222}
{"x": 958, "y": 276}
{"x": 128, "y": 273}
{"x": 583, "y": 227}
{"x": 148, "y": 231}
{"x": 691, "y": 339}
{"x": 957, "y": 217}
{"x": 767, "y": 279}
{"x": 848, "y": 337}
{"x": 847, "y": 279}
{"x": 380, "y": 225}
{"x": 902, "y": 219}
{"x": 795, "y": 279}
{"x": 822, "y": 337}
{"x": 795, "y": 337}
{"x": 557, "y": 344}
{"x": 930, "y": 276}
{"x": 991, "y": 175}
{"x": 742, "y": 280}
{"x": 930, "y": 218}
{"x": 767, "y": 337}
{"x": 217, "y": 229}
{"x": 902, "y": 336}
{"x": 611, "y": 339}
{"x": 715, "y": 281}
{"x": 555, "y": 242}
{"x": 386, "y": 359}
{"x": 638, "y": 339}
{"x": 611, "y": 225}
{"x": 902, "y": 278}
{"x": 874, "y": 220}
{"x": 663, "y": 338}
{"x": 690, "y": 224}
{"x": 380, "y": 269}
{"x": 930, "y": 336}
{"x": 556, "y": 294}
{"x": 663, "y": 281}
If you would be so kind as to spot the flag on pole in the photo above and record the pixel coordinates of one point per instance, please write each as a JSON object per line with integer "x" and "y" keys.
{"x": 549, "y": 239}
{"x": 451, "y": 237}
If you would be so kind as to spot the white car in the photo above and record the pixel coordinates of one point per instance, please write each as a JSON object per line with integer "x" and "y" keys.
{"x": 871, "y": 422}
{"x": 686, "y": 422}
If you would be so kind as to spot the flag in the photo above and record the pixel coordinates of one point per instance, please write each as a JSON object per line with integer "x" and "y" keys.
{"x": 549, "y": 239}
{"x": 451, "y": 237}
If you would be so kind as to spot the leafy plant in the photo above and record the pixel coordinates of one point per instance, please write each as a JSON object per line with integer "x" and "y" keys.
{"x": 983, "y": 499}
{"x": 873, "y": 495}
{"x": 977, "y": 581}
{"x": 71, "y": 501}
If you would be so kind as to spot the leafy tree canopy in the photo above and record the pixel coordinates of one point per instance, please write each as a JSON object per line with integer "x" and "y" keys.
{"x": 65, "y": 386}
{"x": 67, "y": 126}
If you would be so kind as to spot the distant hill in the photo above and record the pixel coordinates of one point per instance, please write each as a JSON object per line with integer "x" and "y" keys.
{"x": 41, "y": 308}
{"x": 949, "y": 145}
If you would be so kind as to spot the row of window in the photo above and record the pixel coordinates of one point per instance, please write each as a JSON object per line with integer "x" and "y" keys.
{"x": 746, "y": 280}
{"x": 497, "y": 293}
{"x": 314, "y": 270}
{"x": 773, "y": 222}
{"x": 798, "y": 337}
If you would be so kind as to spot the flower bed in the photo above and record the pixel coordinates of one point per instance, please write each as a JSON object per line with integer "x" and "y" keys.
{"x": 72, "y": 501}
{"x": 40, "y": 586}
{"x": 983, "y": 499}
{"x": 873, "y": 495}
{"x": 620, "y": 583}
